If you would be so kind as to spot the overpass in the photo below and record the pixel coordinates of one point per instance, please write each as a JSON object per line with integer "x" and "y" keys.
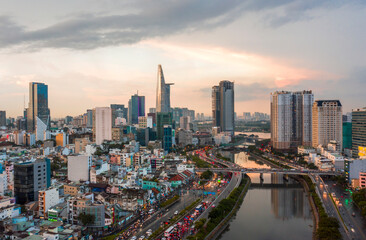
{"x": 270, "y": 170}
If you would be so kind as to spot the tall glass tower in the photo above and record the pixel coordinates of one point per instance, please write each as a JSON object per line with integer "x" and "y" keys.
{"x": 162, "y": 93}
{"x": 223, "y": 106}
{"x": 136, "y": 108}
{"x": 38, "y": 105}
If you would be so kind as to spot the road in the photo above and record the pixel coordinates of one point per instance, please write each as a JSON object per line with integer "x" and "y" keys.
{"x": 155, "y": 223}
{"x": 234, "y": 182}
{"x": 328, "y": 204}
{"x": 357, "y": 222}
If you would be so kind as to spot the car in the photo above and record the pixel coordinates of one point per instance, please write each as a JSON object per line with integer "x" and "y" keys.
{"x": 142, "y": 237}
{"x": 213, "y": 205}
{"x": 134, "y": 238}
{"x": 176, "y": 213}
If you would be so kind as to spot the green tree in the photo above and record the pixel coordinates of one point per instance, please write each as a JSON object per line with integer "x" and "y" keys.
{"x": 86, "y": 219}
{"x": 207, "y": 175}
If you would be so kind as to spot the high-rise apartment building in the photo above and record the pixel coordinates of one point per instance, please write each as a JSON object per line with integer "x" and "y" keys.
{"x": 38, "y": 106}
{"x": 291, "y": 114}
{"x": 162, "y": 93}
{"x": 136, "y": 108}
{"x": 223, "y": 106}
{"x": 358, "y": 130}
{"x": 30, "y": 178}
{"x": 327, "y": 122}
{"x": 2, "y": 118}
{"x": 102, "y": 124}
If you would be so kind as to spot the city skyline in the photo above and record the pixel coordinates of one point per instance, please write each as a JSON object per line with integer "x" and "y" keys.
{"x": 88, "y": 56}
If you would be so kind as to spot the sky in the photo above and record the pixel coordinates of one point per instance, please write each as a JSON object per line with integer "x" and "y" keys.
{"x": 94, "y": 53}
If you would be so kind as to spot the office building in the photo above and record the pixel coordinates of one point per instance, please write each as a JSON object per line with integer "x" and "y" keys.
{"x": 327, "y": 122}
{"x": 223, "y": 106}
{"x": 30, "y": 178}
{"x": 118, "y": 111}
{"x": 358, "y": 130}
{"x": 136, "y": 108}
{"x": 2, "y": 118}
{"x": 161, "y": 120}
{"x": 62, "y": 139}
{"x": 47, "y": 199}
{"x": 89, "y": 118}
{"x": 78, "y": 168}
{"x": 102, "y": 124}
{"x": 38, "y": 106}
{"x": 162, "y": 93}
{"x": 168, "y": 138}
{"x": 291, "y": 114}
{"x": 347, "y": 135}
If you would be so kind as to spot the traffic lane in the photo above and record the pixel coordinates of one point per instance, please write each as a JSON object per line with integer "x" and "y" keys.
{"x": 355, "y": 222}
{"x": 185, "y": 201}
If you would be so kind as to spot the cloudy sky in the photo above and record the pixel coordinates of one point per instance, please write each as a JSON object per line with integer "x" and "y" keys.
{"x": 97, "y": 52}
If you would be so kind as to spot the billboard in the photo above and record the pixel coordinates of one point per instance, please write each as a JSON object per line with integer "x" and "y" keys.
{"x": 361, "y": 152}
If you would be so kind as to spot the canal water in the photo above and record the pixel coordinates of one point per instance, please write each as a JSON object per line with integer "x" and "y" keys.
{"x": 274, "y": 208}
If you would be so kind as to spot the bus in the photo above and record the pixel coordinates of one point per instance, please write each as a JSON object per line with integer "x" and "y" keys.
{"x": 199, "y": 208}
{"x": 169, "y": 231}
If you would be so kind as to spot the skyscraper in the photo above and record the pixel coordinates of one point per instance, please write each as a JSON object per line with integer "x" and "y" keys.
{"x": 136, "y": 108}
{"x": 358, "y": 130}
{"x": 2, "y": 118}
{"x": 291, "y": 114}
{"x": 161, "y": 120}
{"x": 223, "y": 106}
{"x": 102, "y": 124}
{"x": 38, "y": 105}
{"x": 162, "y": 93}
{"x": 327, "y": 122}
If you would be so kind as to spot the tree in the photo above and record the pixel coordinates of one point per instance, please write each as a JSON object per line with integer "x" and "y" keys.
{"x": 206, "y": 175}
{"x": 86, "y": 219}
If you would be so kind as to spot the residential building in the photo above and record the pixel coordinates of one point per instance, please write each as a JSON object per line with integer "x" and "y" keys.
{"x": 142, "y": 122}
{"x": 327, "y": 122}
{"x": 62, "y": 139}
{"x": 102, "y": 124}
{"x": 38, "y": 106}
{"x": 162, "y": 93}
{"x": 184, "y": 122}
{"x": 89, "y": 118}
{"x": 78, "y": 168}
{"x": 30, "y": 178}
{"x": 358, "y": 130}
{"x": 80, "y": 144}
{"x": 291, "y": 114}
{"x": 47, "y": 199}
{"x": 136, "y": 108}
{"x": 223, "y": 106}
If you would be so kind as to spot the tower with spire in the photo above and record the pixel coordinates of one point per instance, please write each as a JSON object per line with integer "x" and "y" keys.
{"x": 162, "y": 93}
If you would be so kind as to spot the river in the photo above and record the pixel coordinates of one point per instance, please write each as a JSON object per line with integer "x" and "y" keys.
{"x": 272, "y": 209}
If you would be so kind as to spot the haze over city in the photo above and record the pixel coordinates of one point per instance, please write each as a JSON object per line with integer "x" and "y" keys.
{"x": 108, "y": 51}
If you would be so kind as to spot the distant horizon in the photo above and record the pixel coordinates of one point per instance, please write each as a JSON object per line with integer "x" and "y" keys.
{"x": 90, "y": 57}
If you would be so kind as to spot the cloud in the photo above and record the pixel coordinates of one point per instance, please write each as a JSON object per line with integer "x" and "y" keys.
{"x": 149, "y": 19}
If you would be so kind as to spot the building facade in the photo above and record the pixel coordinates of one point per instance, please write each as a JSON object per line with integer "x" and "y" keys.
{"x": 358, "y": 130}
{"x": 162, "y": 93}
{"x": 78, "y": 168}
{"x": 136, "y": 108}
{"x": 38, "y": 105}
{"x": 2, "y": 118}
{"x": 102, "y": 124}
{"x": 291, "y": 119}
{"x": 327, "y": 122}
{"x": 30, "y": 178}
{"x": 223, "y": 106}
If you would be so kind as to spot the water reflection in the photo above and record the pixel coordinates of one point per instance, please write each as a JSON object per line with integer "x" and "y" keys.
{"x": 274, "y": 208}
